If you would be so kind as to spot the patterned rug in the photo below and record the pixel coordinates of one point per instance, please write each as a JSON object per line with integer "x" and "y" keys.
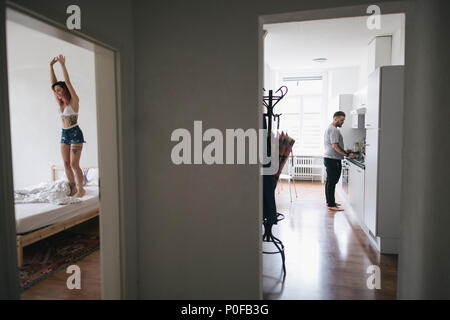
{"x": 45, "y": 257}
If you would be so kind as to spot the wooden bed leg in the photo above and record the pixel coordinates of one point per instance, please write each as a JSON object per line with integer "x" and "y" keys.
{"x": 19, "y": 254}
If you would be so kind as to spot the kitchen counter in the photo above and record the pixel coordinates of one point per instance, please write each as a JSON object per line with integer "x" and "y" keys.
{"x": 356, "y": 162}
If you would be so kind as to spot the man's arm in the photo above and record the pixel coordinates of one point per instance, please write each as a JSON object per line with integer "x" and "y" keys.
{"x": 339, "y": 149}
{"x": 343, "y": 152}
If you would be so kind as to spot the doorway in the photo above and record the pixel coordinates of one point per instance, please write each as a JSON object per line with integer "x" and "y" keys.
{"x": 322, "y": 58}
{"x": 94, "y": 72}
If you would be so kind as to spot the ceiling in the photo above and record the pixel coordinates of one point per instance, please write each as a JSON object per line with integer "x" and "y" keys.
{"x": 293, "y": 45}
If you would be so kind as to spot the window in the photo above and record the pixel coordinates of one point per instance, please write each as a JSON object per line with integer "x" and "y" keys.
{"x": 302, "y": 113}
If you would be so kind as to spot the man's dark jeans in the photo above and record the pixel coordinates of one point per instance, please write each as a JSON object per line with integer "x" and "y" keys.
{"x": 334, "y": 169}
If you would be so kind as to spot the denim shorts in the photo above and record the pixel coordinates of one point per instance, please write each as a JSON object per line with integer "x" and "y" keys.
{"x": 73, "y": 135}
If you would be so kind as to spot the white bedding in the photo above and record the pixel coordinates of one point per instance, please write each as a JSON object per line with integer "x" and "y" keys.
{"x": 56, "y": 192}
{"x": 32, "y": 216}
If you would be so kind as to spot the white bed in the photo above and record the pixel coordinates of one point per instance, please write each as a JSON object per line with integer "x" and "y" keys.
{"x": 36, "y": 221}
{"x": 33, "y": 216}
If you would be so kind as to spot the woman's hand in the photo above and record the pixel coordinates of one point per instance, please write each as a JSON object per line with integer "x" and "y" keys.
{"x": 61, "y": 59}
{"x": 54, "y": 60}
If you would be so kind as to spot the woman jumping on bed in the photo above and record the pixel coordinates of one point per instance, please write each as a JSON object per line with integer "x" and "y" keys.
{"x": 72, "y": 137}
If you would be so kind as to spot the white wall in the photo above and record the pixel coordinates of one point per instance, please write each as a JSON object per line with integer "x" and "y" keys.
{"x": 269, "y": 78}
{"x": 343, "y": 81}
{"x": 34, "y": 112}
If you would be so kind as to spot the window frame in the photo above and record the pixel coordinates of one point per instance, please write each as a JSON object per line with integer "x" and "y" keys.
{"x": 282, "y": 75}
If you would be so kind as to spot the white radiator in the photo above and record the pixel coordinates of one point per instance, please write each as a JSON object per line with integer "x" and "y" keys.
{"x": 307, "y": 167}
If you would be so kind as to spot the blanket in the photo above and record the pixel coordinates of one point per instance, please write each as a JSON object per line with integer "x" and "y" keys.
{"x": 55, "y": 192}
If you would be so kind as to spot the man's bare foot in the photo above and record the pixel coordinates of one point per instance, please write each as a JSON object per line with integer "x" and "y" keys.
{"x": 80, "y": 192}
{"x": 73, "y": 189}
{"x": 337, "y": 205}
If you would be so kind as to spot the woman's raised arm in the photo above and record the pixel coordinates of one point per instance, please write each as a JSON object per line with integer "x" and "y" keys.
{"x": 52, "y": 72}
{"x": 62, "y": 61}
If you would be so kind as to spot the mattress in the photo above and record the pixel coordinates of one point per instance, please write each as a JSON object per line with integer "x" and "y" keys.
{"x": 32, "y": 216}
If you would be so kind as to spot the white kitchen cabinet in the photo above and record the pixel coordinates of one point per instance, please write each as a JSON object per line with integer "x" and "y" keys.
{"x": 356, "y": 99}
{"x": 383, "y": 159}
{"x": 371, "y": 181}
{"x": 345, "y": 102}
{"x": 363, "y": 97}
{"x": 356, "y": 190}
{"x": 357, "y": 120}
{"x": 373, "y": 100}
{"x": 360, "y": 98}
{"x": 359, "y": 107}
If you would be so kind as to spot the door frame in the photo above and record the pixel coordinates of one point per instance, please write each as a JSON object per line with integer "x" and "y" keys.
{"x": 112, "y": 252}
{"x": 395, "y": 7}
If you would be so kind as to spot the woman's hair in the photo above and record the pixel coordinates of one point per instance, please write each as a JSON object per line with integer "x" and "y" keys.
{"x": 65, "y": 100}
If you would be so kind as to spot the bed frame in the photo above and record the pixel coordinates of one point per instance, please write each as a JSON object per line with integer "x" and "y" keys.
{"x": 34, "y": 236}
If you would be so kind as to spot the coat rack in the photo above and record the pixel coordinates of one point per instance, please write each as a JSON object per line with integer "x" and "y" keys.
{"x": 271, "y": 216}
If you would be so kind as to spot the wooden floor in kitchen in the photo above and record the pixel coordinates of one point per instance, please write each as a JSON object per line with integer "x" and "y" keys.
{"x": 327, "y": 253}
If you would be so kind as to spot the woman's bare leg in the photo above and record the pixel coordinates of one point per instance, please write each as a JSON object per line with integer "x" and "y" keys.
{"x": 75, "y": 154}
{"x": 65, "y": 152}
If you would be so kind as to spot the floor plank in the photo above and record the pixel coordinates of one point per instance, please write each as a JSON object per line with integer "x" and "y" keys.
{"x": 327, "y": 254}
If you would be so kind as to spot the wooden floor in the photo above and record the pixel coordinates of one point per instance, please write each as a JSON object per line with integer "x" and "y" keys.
{"x": 327, "y": 254}
{"x": 55, "y": 288}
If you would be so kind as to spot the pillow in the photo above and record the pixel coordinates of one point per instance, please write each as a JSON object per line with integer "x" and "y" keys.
{"x": 92, "y": 176}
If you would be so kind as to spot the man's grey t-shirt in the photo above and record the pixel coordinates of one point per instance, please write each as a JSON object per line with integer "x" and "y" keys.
{"x": 333, "y": 135}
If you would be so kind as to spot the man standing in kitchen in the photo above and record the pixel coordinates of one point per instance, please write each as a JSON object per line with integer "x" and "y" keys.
{"x": 333, "y": 154}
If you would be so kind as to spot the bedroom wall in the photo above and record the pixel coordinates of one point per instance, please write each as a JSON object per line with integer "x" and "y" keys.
{"x": 34, "y": 113}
